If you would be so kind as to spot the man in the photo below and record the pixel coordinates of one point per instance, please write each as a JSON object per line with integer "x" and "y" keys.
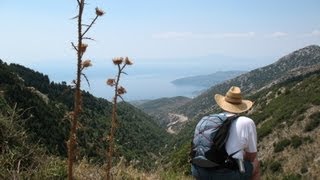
{"x": 241, "y": 143}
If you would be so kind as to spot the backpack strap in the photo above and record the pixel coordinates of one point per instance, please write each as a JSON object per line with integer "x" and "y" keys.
{"x": 222, "y": 134}
{"x": 230, "y": 162}
{"x": 234, "y": 153}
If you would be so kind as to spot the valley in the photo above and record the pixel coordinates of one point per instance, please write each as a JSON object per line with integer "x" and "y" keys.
{"x": 175, "y": 119}
{"x": 286, "y": 112}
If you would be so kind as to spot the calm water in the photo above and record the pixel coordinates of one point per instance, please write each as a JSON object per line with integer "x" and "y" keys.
{"x": 146, "y": 79}
{"x": 144, "y": 87}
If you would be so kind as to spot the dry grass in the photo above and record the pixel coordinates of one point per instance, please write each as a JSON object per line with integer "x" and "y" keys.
{"x": 87, "y": 171}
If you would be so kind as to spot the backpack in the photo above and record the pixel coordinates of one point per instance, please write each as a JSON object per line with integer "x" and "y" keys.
{"x": 208, "y": 145}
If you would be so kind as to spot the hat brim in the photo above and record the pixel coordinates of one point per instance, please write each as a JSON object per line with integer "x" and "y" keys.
{"x": 233, "y": 108}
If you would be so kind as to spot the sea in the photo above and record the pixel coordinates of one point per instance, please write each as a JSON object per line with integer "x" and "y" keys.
{"x": 145, "y": 79}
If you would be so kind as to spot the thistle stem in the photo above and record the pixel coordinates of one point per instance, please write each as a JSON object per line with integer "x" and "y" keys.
{"x": 113, "y": 123}
{"x": 77, "y": 98}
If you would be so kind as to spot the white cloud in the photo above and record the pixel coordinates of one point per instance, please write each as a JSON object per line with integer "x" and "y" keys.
{"x": 188, "y": 35}
{"x": 172, "y": 35}
{"x": 235, "y": 35}
{"x": 314, "y": 33}
{"x": 278, "y": 34}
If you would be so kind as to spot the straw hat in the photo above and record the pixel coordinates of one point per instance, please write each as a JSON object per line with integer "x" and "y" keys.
{"x": 232, "y": 101}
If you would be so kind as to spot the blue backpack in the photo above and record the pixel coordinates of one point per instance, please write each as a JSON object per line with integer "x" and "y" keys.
{"x": 208, "y": 145}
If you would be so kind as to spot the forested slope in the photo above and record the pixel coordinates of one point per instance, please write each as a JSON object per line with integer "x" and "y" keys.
{"x": 43, "y": 108}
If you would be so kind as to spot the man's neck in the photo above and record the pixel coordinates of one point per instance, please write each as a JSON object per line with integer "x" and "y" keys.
{"x": 228, "y": 114}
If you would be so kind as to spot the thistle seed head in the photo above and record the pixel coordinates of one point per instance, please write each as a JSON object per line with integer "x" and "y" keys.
{"x": 117, "y": 60}
{"x": 86, "y": 63}
{"x": 83, "y": 48}
{"x": 111, "y": 82}
{"x": 121, "y": 90}
{"x": 128, "y": 61}
{"x": 99, "y": 12}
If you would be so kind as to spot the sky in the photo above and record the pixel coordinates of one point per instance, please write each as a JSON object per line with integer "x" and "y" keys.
{"x": 39, "y": 33}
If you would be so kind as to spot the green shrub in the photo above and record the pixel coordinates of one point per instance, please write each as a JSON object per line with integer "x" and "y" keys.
{"x": 263, "y": 166}
{"x": 275, "y": 166}
{"x": 292, "y": 177}
{"x": 308, "y": 139}
{"x": 19, "y": 152}
{"x": 279, "y": 92}
{"x": 296, "y": 141}
{"x": 281, "y": 145}
{"x": 304, "y": 170}
{"x": 54, "y": 168}
{"x": 266, "y": 128}
{"x": 313, "y": 122}
{"x": 180, "y": 160}
{"x": 316, "y": 101}
{"x": 301, "y": 117}
{"x": 281, "y": 126}
{"x": 260, "y": 117}
{"x": 287, "y": 92}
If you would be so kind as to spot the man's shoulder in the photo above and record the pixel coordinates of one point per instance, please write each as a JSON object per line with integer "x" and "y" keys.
{"x": 245, "y": 121}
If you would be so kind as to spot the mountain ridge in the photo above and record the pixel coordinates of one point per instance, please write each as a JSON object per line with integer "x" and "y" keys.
{"x": 253, "y": 80}
{"x": 207, "y": 80}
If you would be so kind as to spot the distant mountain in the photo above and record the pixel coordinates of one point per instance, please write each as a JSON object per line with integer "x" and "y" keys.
{"x": 44, "y": 105}
{"x": 207, "y": 80}
{"x": 138, "y": 102}
{"x": 304, "y": 59}
{"x": 160, "y": 108}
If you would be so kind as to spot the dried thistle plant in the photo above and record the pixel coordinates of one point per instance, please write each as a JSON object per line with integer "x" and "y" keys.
{"x": 80, "y": 49}
{"x": 121, "y": 63}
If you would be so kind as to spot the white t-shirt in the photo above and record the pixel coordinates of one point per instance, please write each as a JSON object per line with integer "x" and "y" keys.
{"x": 243, "y": 135}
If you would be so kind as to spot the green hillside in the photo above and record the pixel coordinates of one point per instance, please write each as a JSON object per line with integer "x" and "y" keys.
{"x": 42, "y": 106}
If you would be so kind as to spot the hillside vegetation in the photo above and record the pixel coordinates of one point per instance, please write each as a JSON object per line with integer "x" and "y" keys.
{"x": 42, "y": 107}
{"x": 34, "y": 126}
{"x": 288, "y": 117}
